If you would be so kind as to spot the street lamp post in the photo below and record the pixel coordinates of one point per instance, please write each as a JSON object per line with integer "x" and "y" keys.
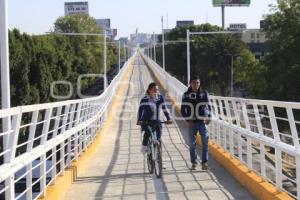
{"x": 163, "y": 42}
{"x": 154, "y": 46}
{"x": 188, "y": 56}
{"x": 150, "y": 49}
{"x": 105, "y": 61}
{"x": 125, "y": 53}
{"x": 119, "y": 52}
{"x": 5, "y": 91}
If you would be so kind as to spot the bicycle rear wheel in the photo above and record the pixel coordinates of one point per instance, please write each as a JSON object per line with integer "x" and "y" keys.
{"x": 158, "y": 160}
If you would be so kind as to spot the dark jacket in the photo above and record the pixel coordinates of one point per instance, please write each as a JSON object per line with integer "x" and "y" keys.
{"x": 195, "y": 105}
{"x": 149, "y": 110}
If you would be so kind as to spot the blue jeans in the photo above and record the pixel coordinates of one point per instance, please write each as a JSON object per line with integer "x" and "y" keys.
{"x": 198, "y": 126}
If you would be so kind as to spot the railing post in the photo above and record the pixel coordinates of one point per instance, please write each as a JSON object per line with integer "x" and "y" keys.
{"x": 77, "y": 121}
{"x": 54, "y": 157}
{"x": 13, "y": 140}
{"x": 278, "y": 153}
{"x": 43, "y": 159}
{"x": 261, "y": 144}
{"x": 32, "y": 129}
{"x": 62, "y": 149}
{"x": 298, "y": 175}
{"x": 249, "y": 140}
{"x": 230, "y": 132}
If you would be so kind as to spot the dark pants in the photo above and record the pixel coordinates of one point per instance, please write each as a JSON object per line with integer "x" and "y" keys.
{"x": 147, "y": 129}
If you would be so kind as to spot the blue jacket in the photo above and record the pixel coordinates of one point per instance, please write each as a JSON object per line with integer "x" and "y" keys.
{"x": 195, "y": 105}
{"x": 149, "y": 109}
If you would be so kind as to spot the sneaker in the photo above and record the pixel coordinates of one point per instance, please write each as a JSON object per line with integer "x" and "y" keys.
{"x": 164, "y": 166}
{"x": 205, "y": 166}
{"x": 194, "y": 166}
{"x": 144, "y": 149}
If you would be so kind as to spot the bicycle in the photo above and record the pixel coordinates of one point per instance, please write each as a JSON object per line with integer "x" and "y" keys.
{"x": 154, "y": 157}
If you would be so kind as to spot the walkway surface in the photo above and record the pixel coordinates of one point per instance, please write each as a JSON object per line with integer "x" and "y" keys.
{"x": 118, "y": 170}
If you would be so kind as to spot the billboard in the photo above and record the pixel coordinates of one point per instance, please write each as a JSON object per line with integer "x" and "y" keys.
{"x": 237, "y": 27}
{"x": 184, "y": 23}
{"x": 231, "y": 2}
{"x": 73, "y": 8}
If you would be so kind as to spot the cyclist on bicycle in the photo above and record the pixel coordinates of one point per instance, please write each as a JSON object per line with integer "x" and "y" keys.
{"x": 149, "y": 111}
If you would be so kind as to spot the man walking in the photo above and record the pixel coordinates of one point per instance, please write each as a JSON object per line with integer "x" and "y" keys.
{"x": 195, "y": 108}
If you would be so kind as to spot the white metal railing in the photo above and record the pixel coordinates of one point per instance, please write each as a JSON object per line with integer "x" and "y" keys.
{"x": 264, "y": 135}
{"x": 44, "y": 139}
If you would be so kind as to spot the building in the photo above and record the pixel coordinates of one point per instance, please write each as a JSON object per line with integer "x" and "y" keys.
{"x": 140, "y": 38}
{"x": 253, "y": 36}
{"x": 123, "y": 40}
{"x": 184, "y": 23}
{"x": 104, "y": 24}
{"x": 73, "y": 8}
{"x": 257, "y": 42}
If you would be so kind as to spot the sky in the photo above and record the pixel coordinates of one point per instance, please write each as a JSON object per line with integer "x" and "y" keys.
{"x": 38, "y": 16}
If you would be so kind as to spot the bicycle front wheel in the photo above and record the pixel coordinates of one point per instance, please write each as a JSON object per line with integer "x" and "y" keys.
{"x": 150, "y": 163}
{"x": 158, "y": 160}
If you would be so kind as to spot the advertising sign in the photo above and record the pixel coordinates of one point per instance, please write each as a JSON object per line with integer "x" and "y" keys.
{"x": 231, "y": 3}
{"x": 237, "y": 27}
{"x": 72, "y": 8}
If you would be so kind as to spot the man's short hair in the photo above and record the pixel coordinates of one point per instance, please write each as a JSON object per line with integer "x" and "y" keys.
{"x": 193, "y": 78}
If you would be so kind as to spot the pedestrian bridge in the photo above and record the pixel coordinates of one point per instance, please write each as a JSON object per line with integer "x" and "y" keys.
{"x": 90, "y": 148}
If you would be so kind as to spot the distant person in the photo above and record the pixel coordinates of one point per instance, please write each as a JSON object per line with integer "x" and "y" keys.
{"x": 196, "y": 109}
{"x": 149, "y": 111}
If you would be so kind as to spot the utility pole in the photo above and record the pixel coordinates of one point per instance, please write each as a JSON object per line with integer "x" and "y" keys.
{"x": 163, "y": 42}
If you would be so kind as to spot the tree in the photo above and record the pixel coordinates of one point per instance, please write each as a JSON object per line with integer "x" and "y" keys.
{"x": 282, "y": 27}
{"x": 210, "y": 56}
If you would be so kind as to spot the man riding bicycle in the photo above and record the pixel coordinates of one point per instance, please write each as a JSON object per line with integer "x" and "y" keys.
{"x": 149, "y": 110}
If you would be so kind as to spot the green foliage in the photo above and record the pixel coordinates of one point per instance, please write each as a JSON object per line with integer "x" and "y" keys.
{"x": 36, "y": 61}
{"x": 282, "y": 65}
{"x": 210, "y": 56}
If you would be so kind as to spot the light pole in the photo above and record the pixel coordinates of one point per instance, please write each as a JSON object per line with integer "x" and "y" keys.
{"x": 125, "y": 53}
{"x": 119, "y": 52}
{"x": 105, "y": 60}
{"x": 104, "y": 44}
{"x": 163, "y": 42}
{"x": 154, "y": 46}
{"x": 150, "y": 49}
{"x": 5, "y": 91}
{"x": 188, "y": 56}
{"x": 231, "y": 77}
{"x": 188, "y": 34}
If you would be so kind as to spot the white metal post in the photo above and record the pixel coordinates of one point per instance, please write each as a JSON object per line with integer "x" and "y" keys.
{"x": 105, "y": 61}
{"x": 150, "y": 50}
{"x": 119, "y": 51}
{"x": 163, "y": 42}
{"x": 188, "y": 56}
{"x": 124, "y": 46}
{"x": 231, "y": 77}
{"x": 5, "y": 90}
{"x": 5, "y": 80}
{"x": 154, "y": 46}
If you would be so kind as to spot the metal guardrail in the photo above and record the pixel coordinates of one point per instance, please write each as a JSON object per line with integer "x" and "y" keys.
{"x": 52, "y": 135}
{"x": 264, "y": 135}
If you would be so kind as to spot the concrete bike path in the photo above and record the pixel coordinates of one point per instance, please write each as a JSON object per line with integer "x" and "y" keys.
{"x": 118, "y": 170}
